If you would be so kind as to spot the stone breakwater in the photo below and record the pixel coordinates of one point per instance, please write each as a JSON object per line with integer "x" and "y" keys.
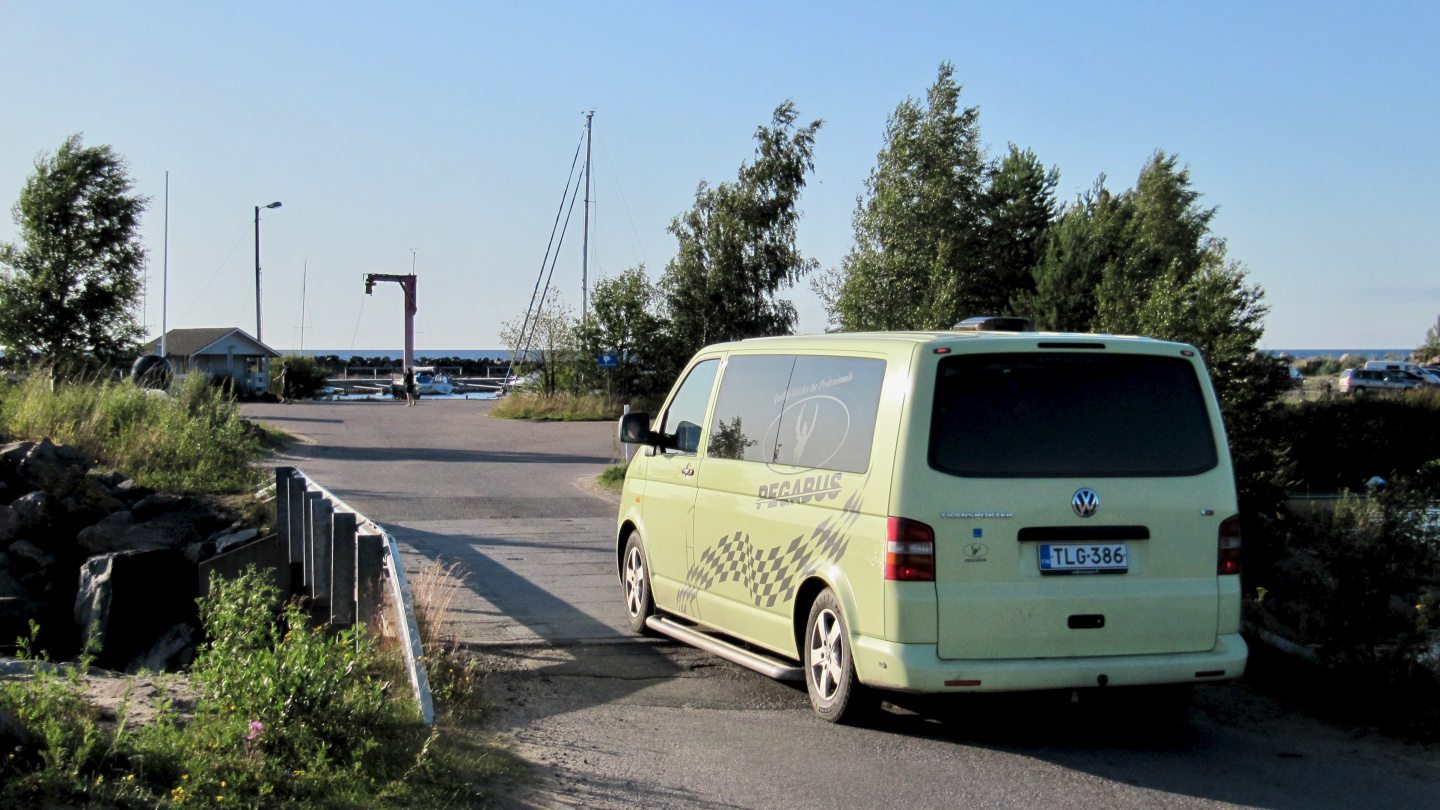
{"x": 89, "y": 553}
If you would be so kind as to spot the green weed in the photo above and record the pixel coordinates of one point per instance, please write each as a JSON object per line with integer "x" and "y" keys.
{"x": 287, "y": 715}
{"x": 613, "y": 477}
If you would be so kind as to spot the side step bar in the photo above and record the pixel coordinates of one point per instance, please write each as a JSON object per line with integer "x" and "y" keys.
{"x": 763, "y": 664}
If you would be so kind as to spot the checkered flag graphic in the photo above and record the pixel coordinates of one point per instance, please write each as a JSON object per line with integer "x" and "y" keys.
{"x": 770, "y": 574}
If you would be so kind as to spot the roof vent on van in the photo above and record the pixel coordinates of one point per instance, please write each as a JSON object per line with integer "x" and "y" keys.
{"x": 993, "y": 323}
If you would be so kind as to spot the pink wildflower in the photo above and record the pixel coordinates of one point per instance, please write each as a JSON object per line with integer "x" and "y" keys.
{"x": 256, "y": 729}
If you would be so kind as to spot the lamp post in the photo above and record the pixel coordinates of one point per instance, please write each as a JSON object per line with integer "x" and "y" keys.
{"x": 276, "y": 204}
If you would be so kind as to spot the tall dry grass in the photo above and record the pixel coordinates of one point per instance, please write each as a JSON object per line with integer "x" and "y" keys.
{"x": 455, "y": 678}
{"x": 190, "y": 439}
{"x": 432, "y": 593}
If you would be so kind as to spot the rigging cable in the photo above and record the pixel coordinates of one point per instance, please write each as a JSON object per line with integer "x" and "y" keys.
{"x": 623, "y": 202}
{"x": 530, "y": 310}
{"x": 358, "y": 315}
{"x": 228, "y": 256}
{"x": 545, "y": 292}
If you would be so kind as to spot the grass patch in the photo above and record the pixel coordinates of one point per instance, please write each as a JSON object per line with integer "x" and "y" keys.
{"x": 613, "y": 477}
{"x": 286, "y": 715}
{"x": 190, "y": 439}
{"x": 559, "y": 408}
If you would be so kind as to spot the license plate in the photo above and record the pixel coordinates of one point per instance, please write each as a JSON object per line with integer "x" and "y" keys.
{"x": 1084, "y": 558}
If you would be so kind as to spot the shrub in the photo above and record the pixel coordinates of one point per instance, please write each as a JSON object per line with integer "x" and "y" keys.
{"x": 1320, "y": 366}
{"x": 558, "y": 408}
{"x": 191, "y": 439}
{"x": 1339, "y": 443}
{"x": 287, "y": 715}
{"x": 304, "y": 376}
{"x": 1360, "y": 583}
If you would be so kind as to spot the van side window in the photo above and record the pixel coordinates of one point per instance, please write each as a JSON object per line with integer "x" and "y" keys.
{"x": 752, "y": 395}
{"x": 828, "y": 421}
{"x": 686, "y": 413}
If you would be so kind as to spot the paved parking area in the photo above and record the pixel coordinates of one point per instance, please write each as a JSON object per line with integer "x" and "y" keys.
{"x": 615, "y": 721}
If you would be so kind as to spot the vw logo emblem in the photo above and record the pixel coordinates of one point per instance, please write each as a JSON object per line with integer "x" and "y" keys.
{"x": 1085, "y": 502}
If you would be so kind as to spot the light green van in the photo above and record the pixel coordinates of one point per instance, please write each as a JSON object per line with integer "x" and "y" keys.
{"x": 939, "y": 512}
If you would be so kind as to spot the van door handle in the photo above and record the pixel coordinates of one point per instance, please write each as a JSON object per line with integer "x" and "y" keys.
{"x": 687, "y": 471}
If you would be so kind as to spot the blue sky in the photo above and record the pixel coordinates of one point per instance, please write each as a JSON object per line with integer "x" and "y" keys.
{"x": 448, "y": 129}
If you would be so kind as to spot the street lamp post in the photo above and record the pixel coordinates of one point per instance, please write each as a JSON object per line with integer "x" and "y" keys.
{"x": 276, "y": 204}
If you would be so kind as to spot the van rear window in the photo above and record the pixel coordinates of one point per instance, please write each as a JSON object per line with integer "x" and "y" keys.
{"x": 1039, "y": 415}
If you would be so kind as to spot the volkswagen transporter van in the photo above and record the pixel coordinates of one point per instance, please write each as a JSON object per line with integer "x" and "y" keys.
{"x": 939, "y": 512}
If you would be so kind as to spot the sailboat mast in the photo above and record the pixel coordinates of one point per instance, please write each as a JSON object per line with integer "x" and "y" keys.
{"x": 165, "y": 272}
{"x": 585, "y": 243}
{"x": 304, "y": 286}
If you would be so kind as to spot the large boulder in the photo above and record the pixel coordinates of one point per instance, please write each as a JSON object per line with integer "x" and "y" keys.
{"x": 230, "y": 540}
{"x": 26, "y": 558}
{"x": 120, "y": 531}
{"x": 31, "y": 509}
{"x": 131, "y": 492}
{"x": 16, "y": 611}
{"x": 9, "y": 588}
{"x": 105, "y": 536}
{"x": 12, "y": 454}
{"x": 129, "y": 599}
{"x": 174, "y": 650}
{"x": 54, "y": 468}
{"x": 9, "y": 525}
{"x": 152, "y": 505}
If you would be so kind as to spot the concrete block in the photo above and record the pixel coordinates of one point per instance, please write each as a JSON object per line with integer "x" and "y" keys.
{"x": 342, "y": 569}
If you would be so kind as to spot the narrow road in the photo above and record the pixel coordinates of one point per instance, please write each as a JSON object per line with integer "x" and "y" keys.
{"x": 617, "y": 721}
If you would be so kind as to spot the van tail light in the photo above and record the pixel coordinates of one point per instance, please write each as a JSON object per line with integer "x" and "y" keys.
{"x": 909, "y": 551}
{"x": 1229, "y": 560}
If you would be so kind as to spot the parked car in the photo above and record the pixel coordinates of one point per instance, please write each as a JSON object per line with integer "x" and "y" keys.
{"x": 1362, "y": 381}
{"x": 1407, "y": 369}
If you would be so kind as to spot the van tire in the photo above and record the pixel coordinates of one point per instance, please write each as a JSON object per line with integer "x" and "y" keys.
{"x": 1358, "y": 392}
{"x": 635, "y": 582}
{"x": 836, "y": 693}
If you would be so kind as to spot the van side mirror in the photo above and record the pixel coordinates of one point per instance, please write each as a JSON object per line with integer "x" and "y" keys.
{"x": 635, "y": 428}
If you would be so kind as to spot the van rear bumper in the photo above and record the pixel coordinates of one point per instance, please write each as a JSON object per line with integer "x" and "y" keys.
{"x": 917, "y": 668}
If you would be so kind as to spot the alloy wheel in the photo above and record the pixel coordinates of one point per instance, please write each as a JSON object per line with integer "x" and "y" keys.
{"x": 827, "y": 658}
{"x": 635, "y": 581}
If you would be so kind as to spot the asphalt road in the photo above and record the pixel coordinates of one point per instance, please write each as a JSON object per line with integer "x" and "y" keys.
{"x": 616, "y": 721}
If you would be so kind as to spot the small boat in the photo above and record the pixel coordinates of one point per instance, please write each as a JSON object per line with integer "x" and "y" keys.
{"x": 429, "y": 381}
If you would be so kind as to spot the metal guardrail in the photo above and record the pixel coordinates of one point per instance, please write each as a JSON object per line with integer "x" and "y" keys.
{"x": 344, "y": 562}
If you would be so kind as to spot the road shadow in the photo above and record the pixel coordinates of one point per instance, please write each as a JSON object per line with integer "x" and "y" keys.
{"x": 445, "y": 455}
{"x": 558, "y": 624}
{"x": 268, "y": 418}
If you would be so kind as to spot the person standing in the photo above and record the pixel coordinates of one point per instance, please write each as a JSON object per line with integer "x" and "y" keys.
{"x": 411, "y": 391}
{"x": 284, "y": 380}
